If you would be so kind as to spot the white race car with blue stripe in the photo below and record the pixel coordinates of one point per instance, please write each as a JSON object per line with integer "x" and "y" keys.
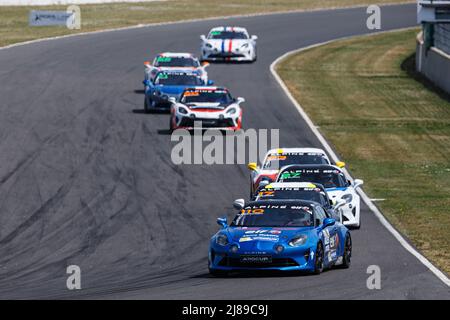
{"x": 228, "y": 44}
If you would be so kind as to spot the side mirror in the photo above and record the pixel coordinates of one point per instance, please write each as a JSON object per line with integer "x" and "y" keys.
{"x": 238, "y": 204}
{"x": 254, "y": 37}
{"x": 328, "y": 222}
{"x": 210, "y": 82}
{"x": 252, "y": 166}
{"x": 240, "y": 100}
{"x": 263, "y": 183}
{"x": 205, "y": 64}
{"x": 173, "y": 100}
{"x": 222, "y": 222}
{"x": 358, "y": 183}
{"x": 202, "y": 37}
{"x": 340, "y": 164}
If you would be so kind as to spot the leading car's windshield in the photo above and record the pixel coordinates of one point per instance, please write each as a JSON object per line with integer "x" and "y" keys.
{"x": 275, "y": 216}
{"x": 277, "y": 161}
{"x": 208, "y": 96}
{"x": 181, "y": 62}
{"x": 310, "y": 194}
{"x": 227, "y": 35}
{"x": 175, "y": 79}
{"x": 327, "y": 178}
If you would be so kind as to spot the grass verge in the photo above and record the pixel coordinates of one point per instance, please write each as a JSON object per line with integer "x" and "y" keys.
{"x": 14, "y": 20}
{"x": 390, "y": 128}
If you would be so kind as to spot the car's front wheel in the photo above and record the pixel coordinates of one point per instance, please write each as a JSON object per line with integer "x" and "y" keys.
{"x": 318, "y": 262}
{"x": 346, "y": 258}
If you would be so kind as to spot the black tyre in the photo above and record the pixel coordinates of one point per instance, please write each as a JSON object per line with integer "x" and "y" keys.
{"x": 318, "y": 262}
{"x": 346, "y": 258}
{"x": 218, "y": 273}
{"x": 146, "y": 109}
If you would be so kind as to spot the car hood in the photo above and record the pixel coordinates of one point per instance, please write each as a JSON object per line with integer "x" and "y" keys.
{"x": 171, "y": 89}
{"x": 206, "y": 105}
{"x": 227, "y": 43}
{"x": 273, "y": 235}
{"x": 337, "y": 193}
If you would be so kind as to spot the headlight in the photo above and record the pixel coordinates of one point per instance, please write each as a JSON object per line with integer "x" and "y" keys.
{"x": 182, "y": 110}
{"x": 298, "y": 241}
{"x": 347, "y": 197}
{"x": 208, "y": 45}
{"x": 222, "y": 240}
{"x": 157, "y": 93}
{"x": 231, "y": 111}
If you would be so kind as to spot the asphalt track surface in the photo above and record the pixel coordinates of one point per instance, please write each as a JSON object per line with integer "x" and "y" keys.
{"x": 86, "y": 178}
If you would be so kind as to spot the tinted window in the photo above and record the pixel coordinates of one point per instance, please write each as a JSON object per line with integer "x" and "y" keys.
{"x": 227, "y": 35}
{"x": 278, "y": 161}
{"x": 176, "y": 62}
{"x": 327, "y": 178}
{"x": 290, "y": 216}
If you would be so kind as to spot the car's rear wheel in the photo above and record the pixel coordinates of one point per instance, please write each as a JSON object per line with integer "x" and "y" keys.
{"x": 318, "y": 262}
{"x": 346, "y": 258}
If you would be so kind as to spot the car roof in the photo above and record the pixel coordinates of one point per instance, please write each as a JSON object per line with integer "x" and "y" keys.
{"x": 310, "y": 166}
{"x": 282, "y": 202}
{"x": 179, "y": 71}
{"x": 294, "y": 185}
{"x": 229, "y": 28}
{"x": 299, "y": 150}
{"x": 206, "y": 88}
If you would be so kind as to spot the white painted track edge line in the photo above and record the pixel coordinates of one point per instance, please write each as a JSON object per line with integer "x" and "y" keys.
{"x": 155, "y": 24}
{"x": 405, "y": 244}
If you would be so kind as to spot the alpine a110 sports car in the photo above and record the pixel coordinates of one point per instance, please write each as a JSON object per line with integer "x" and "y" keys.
{"x": 275, "y": 159}
{"x": 301, "y": 191}
{"x": 335, "y": 183}
{"x": 167, "y": 86}
{"x": 228, "y": 44}
{"x": 169, "y": 61}
{"x": 213, "y": 106}
{"x": 283, "y": 235}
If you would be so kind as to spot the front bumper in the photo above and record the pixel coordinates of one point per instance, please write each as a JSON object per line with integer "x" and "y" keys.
{"x": 301, "y": 260}
{"x": 209, "y": 55}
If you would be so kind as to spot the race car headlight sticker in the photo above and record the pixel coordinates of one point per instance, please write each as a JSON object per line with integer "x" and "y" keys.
{"x": 347, "y": 197}
{"x": 298, "y": 241}
{"x": 222, "y": 240}
{"x": 278, "y": 248}
{"x": 208, "y": 45}
{"x": 245, "y": 45}
{"x": 182, "y": 110}
{"x": 231, "y": 111}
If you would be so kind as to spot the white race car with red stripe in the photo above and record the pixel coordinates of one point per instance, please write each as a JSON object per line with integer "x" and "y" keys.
{"x": 210, "y": 107}
{"x": 175, "y": 61}
{"x": 228, "y": 44}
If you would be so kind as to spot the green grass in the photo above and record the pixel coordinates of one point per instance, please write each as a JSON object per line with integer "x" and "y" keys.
{"x": 392, "y": 131}
{"x": 14, "y": 20}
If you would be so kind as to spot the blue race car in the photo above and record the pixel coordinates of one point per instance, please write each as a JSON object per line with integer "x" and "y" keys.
{"x": 285, "y": 235}
{"x": 167, "y": 86}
